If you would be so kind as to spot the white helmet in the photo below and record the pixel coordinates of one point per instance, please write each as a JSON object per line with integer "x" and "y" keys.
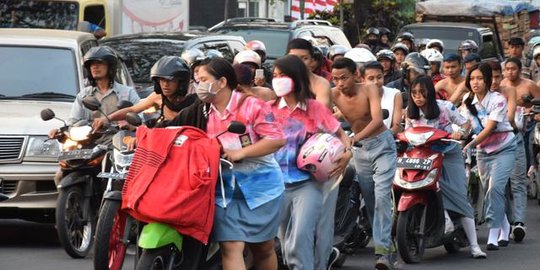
{"x": 536, "y": 52}
{"x": 247, "y": 56}
{"x": 435, "y": 43}
{"x": 432, "y": 55}
{"x": 360, "y": 55}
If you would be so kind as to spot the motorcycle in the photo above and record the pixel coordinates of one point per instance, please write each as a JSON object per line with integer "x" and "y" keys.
{"x": 114, "y": 227}
{"x": 79, "y": 189}
{"x": 533, "y": 185}
{"x": 418, "y": 199}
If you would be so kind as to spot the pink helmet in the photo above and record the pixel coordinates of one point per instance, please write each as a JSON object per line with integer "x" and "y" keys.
{"x": 256, "y": 45}
{"x": 319, "y": 154}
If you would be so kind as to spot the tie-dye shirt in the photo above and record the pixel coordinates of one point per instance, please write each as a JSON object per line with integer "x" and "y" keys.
{"x": 298, "y": 124}
{"x": 260, "y": 180}
{"x": 492, "y": 107}
{"x": 449, "y": 115}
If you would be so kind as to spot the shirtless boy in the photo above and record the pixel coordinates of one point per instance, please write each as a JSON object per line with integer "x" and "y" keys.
{"x": 446, "y": 87}
{"x": 375, "y": 153}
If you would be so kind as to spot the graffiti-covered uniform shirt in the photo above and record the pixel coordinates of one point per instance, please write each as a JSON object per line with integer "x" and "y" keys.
{"x": 298, "y": 124}
{"x": 259, "y": 179}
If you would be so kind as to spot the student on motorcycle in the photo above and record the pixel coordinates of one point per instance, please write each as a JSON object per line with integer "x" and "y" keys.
{"x": 249, "y": 210}
{"x": 100, "y": 63}
{"x": 426, "y": 110}
{"x": 400, "y": 51}
{"x": 435, "y": 59}
{"x": 494, "y": 142}
{"x": 171, "y": 77}
{"x": 388, "y": 61}
{"x": 300, "y": 116}
{"x": 244, "y": 75}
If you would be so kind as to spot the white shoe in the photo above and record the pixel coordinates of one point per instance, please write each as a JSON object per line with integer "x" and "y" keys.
{"x": 477, "y": 253}
{"x": 448, "y": 225}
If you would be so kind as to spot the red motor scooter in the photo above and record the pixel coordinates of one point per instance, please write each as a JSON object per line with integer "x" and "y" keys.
{"x": 418, "y": 199}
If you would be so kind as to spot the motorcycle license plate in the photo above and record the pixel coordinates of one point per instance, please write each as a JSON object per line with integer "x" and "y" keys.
{"x": 414, "y": 163}
{"x": 113, "y": 175}
{"x": 75, "y": 154}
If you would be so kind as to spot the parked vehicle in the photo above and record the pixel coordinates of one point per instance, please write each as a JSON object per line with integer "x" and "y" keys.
{"x": 420, "y": 212}
{"x": 144, "y": 49}
{"x": 452, "y": 34}
{"x": 276, "y": 35}
{"x": 39, "y": 69}
{"x": 115, "y": 17}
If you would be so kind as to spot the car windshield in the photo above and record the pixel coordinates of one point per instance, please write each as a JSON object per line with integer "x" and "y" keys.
{"x": 143, "y": 53}
{"x": 275, "y": 40}
{"x": 39, "y": 14}
{"x": 26, "y": 71}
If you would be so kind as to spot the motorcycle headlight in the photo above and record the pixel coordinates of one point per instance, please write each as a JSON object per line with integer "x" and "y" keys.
{"x": 418, "y": 139}
{"x": 122, "y": 160}
{"x": 414, "y": 185}
{"x": 41, "y": 148}
{"x": 79, "y": 133}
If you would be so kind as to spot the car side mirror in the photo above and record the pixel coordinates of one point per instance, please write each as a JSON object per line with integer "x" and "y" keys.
{"x": 133, "y": 119}
{"x": 236, "y": 127}
{"x": 47, "y": 114}
{"x": 91, "y": 103}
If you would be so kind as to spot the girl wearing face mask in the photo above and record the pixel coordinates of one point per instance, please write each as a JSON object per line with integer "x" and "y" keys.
{"x": 426, "y": 110}
{"x": 495, "y": 144}
{"x": 300, "y": 115}
{"x": 249, "y": 198}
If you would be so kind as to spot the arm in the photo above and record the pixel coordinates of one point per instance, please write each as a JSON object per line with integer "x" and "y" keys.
{"x": 323, "y": 92}
{"x": 458, "y": 94}
{"x": 260, "y": 148}
{"x": 374, "y": 102}
{"x": 398, "y": 114}
{"x": 121, "y": 114}
{"x": 484, "y": 134}
{"x": 343, "y": 160}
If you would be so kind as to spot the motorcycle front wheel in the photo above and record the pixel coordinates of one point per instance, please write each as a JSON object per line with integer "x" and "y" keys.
{"x": 74, "y": 233}
{"x": 110, "y": 247}
{"x": 163, "y": 258}
{"x": 409, "y": 234}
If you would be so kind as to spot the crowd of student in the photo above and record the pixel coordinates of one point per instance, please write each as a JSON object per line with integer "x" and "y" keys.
{"x": 309, "y": 91}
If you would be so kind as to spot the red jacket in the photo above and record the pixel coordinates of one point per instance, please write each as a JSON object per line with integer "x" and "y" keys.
{"x": 172, "y": 179}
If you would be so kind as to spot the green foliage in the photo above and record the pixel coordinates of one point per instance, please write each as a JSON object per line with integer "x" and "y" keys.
{"x": 362, "y": 14}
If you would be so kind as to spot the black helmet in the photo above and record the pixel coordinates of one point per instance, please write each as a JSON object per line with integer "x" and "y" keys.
{"x": 385, "y": 31}
{"x": 386, "y": 54}
{"x": 103, "y": 54}
{"x": 372, "y": 31}
{"x": 400, "y": 46}
{"x": 406, "y": 36}
{"x": 416, "y": 62}
{"x": 469, "y": 45}
{"x": 191, "y": 56}
{"x": 171, "y": 68}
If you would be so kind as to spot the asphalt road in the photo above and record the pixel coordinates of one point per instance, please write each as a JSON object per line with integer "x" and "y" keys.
{"x": 31, "y": 246}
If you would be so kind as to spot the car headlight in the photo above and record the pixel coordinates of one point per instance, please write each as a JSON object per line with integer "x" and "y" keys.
{"x": 41, "y": 148}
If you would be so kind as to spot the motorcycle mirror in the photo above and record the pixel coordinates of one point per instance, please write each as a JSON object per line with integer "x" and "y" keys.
{"x": 124, "y": 104}
{"x": 385, "y": 114}
{"x": 536, "y": 101}
{"x": 236, "y": 127}
{"x": 47, "y": 114}
{"x": 133, "y": 119}
{"x": 91, "y": 103}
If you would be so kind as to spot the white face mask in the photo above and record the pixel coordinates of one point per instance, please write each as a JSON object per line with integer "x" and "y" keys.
{"x": 282, "y": 85}
{"x": 204, "y": 92}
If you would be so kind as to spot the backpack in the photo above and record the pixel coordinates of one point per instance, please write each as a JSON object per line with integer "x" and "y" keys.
{"x": 172, "y": 179}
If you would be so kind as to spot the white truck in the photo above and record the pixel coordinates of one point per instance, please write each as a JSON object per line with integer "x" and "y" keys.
{"x": 115, "y": 16}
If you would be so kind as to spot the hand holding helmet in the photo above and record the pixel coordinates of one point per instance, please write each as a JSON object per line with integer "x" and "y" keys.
{"x": 319, "y": 155}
